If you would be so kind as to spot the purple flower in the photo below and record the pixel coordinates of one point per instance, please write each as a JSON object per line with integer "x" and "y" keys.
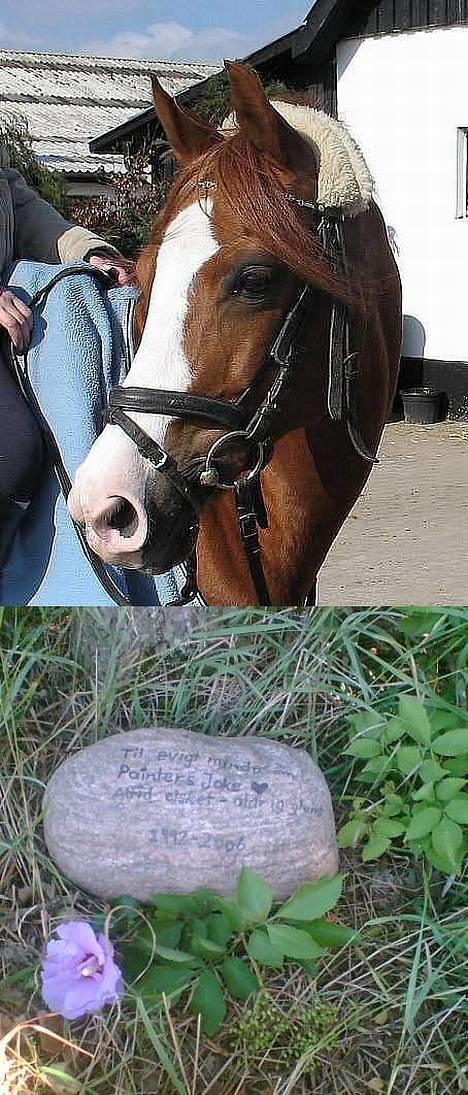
{"x": 79, "y": 975}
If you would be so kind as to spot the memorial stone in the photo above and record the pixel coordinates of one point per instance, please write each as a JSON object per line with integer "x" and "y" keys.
{"x": 166, "y": 811}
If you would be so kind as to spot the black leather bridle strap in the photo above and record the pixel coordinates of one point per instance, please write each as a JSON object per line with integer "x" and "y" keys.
{"x": 285, "y": 341}
{"x": 248, "y": 524}
{"x": 343, "y": 373}
{"x": 154, "y": 453}
{"x": 186, "y": 405}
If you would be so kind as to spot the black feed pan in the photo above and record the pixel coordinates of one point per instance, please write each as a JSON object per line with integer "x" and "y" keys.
{"x": 421, "y": 405}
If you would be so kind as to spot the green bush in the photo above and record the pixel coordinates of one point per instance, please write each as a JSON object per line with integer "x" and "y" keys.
{"x": 213, "y": 103}
{"x": 15, "y": 136}
{"x": 416, "y": 764}
{"x": 125, "y": 216}
{"x": 209, "y": 946}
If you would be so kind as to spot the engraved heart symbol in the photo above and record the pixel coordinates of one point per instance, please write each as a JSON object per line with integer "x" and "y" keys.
{"x": 259, "y": 787}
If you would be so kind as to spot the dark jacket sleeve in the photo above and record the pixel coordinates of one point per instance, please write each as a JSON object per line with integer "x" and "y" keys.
{"x": 41, "y": 233}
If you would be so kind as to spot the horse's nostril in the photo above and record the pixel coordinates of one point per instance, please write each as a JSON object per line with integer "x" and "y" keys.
{"x": 121, "y": 516}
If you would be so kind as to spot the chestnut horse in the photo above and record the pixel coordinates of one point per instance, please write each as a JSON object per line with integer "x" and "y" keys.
{"x": 268, "y": 332}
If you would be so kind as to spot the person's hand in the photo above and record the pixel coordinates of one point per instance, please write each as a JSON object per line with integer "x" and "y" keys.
{"x": 16, "y": 318}
{"x": 123, "y": 270}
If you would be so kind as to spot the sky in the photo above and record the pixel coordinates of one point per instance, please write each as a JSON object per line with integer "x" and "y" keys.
{"x": 202, "y": 30}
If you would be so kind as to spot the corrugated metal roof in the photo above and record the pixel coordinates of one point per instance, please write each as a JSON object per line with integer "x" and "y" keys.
{"x": 68, "y": 99}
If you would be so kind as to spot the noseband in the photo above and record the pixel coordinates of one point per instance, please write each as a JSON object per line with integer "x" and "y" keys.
{"x": 254, "y": 429}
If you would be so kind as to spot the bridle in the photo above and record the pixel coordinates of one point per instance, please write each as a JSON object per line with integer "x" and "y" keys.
{"x": 255, "y": 428}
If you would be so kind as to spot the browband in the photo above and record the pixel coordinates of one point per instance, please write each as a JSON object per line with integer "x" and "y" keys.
{"x": 186, "y": 405}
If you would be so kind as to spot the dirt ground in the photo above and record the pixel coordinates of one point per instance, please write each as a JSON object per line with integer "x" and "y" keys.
{"x": 406, "y": 540}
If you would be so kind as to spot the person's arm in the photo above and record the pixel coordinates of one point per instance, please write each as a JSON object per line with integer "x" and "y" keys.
{"x": 42, "y": 234}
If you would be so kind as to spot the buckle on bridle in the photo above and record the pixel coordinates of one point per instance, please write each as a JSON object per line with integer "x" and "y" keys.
{"x": 164, "y": 461}
{"x": 210, "y": 476}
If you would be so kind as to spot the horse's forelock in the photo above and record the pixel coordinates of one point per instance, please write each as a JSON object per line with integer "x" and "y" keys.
{"x": 252, "y": 189}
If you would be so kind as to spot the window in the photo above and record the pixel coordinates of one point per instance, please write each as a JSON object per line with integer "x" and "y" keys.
{"x": 462, "y": 172}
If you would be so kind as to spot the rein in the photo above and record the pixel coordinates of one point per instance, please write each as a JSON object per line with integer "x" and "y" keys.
{"x": 255, "y": 429}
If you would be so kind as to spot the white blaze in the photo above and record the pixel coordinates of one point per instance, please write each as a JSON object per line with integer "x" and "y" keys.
{"x": 114, "y": 467}
{"x": 160, "y": 361}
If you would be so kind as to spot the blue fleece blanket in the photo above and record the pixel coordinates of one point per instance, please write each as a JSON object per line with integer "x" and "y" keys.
{"x": 79, "y": 350}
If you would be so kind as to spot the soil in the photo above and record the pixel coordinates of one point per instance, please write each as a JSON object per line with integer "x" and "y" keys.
{"x": 406, "y": 540}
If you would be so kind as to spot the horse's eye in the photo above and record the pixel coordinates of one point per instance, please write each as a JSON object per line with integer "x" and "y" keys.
{"x": 253, "y": 282}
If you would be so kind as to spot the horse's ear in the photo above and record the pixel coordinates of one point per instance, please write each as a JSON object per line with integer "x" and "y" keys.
{"x": 261, "y": 123}
{"x": 188, "y": 136}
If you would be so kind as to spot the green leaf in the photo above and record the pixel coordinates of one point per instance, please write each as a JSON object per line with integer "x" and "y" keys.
{"x": 354, "y": 830}
{"x": 408, "y": 758}
{"x": 312, "y": 900}
{"x": 393, "y": 805}
{"x": 66, "y": 1083}
{"x": 174, "y": 903}
{"x": 161, "y": 978}
{"x": 450, "y": 787}
{"x": 219, "y": 930}
{"x": 375, "y": 847}
{"x": 447, "y": 841}
{"x": 208, "y": 1001}
{"x": 431, "y": 771}
{"x": 328, "y": 934}
{"x": 423, "y": 822}
{"x": 386, "y": 826}
{"x": 205, "y": 948}
{"x": 240, "y": 980}
{"x": 369, "y": 723}
{"x": 451, "y": 744}
{"x": 441, "y": 863}
{"x": 205, "y": 900}
{"x": 309, "y": 966}
{"x": 393, "y": 730}
{"x": 424, "y": 793}
{"x": 457, "y": 809}
{"x": 363, "y": 747}
{"x": 445, "y": 720}
{"x": 413, "y": 715}
{"x": 294, "y": 942}
{"x": 168, "y": 932}
{"x": 376, "y": 769}
{"x": 172, "y": 955}
{"x": 137, "y": 954}
{"x": 254, "y": 896}
{"x": 199, "y": 927}
{"x": 260, "y": 948}
{"x": 457, "y": 766}
{"x": 234, "y": 915}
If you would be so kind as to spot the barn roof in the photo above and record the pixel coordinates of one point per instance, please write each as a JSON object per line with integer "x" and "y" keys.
{"x": 311, "y": 45}
{"x": 69, "y": 99}
{"x": 329, "y": 20}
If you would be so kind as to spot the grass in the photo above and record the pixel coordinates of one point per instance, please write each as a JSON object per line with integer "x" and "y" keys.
{"x": 388, "y": 1014}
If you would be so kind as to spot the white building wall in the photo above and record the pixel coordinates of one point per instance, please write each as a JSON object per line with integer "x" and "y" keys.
{"x": 403, "y": 97}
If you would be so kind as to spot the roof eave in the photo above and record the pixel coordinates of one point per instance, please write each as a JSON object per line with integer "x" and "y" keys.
{"x": 316, "y": 39}
{"x": 103, "y": 142}
{"x": 147, "y": 117}
{"x": 313, "y": 38}
{"x": 280, "y": 47}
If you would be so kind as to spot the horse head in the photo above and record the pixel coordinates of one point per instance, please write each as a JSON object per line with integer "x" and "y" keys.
{"x": 228, "y": 256}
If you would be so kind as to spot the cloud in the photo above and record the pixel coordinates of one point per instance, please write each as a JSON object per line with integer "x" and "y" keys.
{"x": 172, "y": 41}
{"x": 164, "y": 40}
{"x": 14, "y": 39}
